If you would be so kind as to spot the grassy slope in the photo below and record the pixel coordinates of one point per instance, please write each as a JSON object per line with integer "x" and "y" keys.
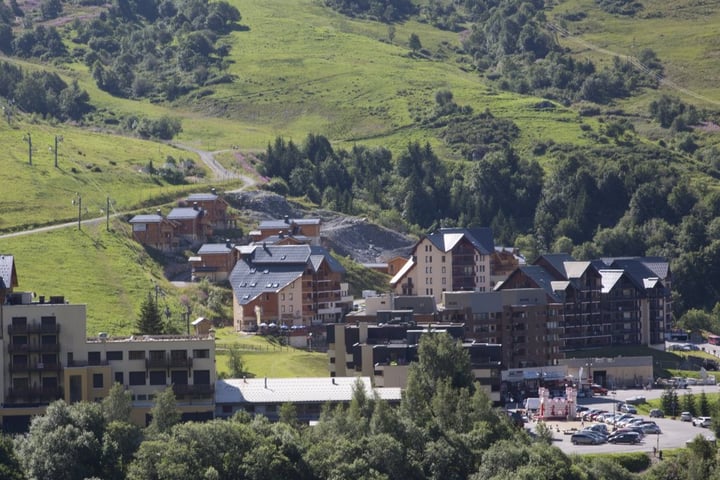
{"x": 104, "y": 270}
{"x": 683, "y": 33}
{"x": 265, "y": 359}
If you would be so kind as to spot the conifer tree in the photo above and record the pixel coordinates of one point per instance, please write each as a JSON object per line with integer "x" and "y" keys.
{"x": 149, "y": 322}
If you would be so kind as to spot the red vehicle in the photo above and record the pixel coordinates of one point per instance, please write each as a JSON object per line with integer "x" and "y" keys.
{"x": 598, "y": 389}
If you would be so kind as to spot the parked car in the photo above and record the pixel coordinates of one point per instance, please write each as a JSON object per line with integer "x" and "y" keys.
{"x": 702, "y": 421}
{"x": 636, "y": 400}
{"x": 598, "y": 389}
{"x": 516, "y": 418}
{"x": 627, "y": 408}
{"x": 650, "y": 428}
{"x": 584, "y": 438}
{"x": 598, "y": 427}
{"x": 685, "y": 417}
{"x": 656, "y": 413}
{"x": 625, "y": 437}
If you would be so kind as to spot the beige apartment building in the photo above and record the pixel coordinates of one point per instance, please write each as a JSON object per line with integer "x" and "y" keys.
{"x": 449, "y": 260}
{"x": 46, "y": 356}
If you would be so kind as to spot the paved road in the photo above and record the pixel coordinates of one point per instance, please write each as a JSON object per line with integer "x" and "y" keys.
{"x": 675, "y": 433}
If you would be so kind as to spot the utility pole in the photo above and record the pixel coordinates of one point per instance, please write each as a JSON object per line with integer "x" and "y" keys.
{"x": 58, "y": 138}
{"x": 28, "y": 139}
{"x": 107, "y": 214}
{"x": 79, "y": 199}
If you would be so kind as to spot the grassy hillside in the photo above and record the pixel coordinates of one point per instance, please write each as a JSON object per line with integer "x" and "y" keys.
{"x": 682, "y": 32}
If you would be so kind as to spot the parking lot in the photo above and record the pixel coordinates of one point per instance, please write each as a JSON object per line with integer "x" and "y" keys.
{"x": 674, "y": 432}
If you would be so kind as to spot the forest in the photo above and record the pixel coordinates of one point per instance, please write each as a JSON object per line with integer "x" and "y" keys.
{"x": 444, "y": 428}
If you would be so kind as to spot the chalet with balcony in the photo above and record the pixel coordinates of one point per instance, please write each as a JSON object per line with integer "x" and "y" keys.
{"x": 305, "y": 230}
{"x": 213, "y": 261}
{"x": 192, "y": 223}
{"x": 287, "y": 285}
{"x": 155, "y": 231}
{"x": 215, "y": 208}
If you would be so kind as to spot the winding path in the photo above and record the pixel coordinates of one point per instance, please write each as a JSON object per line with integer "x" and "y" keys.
{"x": 208, "y": 158}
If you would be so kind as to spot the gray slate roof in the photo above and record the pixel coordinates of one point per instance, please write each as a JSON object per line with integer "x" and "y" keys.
{"x": 269, "y": 268}
{"x": 200, "y": 197}
{"x": 183, "y": 213}
{"x": 283, "y": 224}
{"x": 7, "y": 271}
{"x": 152, "y": 218}
{"x": 215, "y": 248}
{"x": 481, "y": 238}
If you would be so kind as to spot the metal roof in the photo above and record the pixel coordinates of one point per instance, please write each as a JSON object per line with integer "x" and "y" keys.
{"x": 295, "y": 390}
{"x": 183, "y": 213}
{"x": 199, "y": 197}
{"x": 152, "y": 218}
{"x": 557, "y": 261}
{"x": 289, "y": 222}
{"x": 210, "y": 248}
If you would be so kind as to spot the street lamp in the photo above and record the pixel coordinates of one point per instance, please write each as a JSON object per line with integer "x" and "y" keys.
{"x": 187, "y": 317}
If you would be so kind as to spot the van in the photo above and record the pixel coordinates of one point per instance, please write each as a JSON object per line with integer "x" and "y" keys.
{"x": 532, "y": 404}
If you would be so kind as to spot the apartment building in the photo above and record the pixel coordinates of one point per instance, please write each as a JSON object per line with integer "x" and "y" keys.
{"x": 385, "y": 352}
{"x": 47, "y": 356}
{"x": 602, "y": 302}
{"x": 213, "y": 261}
{"x": 451, "y": 259}
{"x": 521, "y": 320}
{"x": 215, "y": 208}
{"x": 287, "y": 285}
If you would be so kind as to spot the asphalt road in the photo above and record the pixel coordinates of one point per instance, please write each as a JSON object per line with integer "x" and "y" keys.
{"x": 675, "y": 433}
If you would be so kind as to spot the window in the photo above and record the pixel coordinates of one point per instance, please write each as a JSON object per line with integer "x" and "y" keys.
{"x": 49, "y": 339}
{"x": 442, "y": 259}
{"x": 47, "y": 321}
{"x": 157, "y": 354}
{"x": 114, "y": 355}
{"x": 94, "y": 358}
{"x": 19, "y": 321}
{"x": 202, "y": 377}
{"x": 282, "y": 308}
{"x": 119, "y": 378}
{"x": 137, "y": 378}
{"x": 158, "y": 377}
{"x": 97, "y": 380}
{"x": 136, "y": 355}
{"x": 282, "y": 297}
{"x": 49, "y": 382}
{"x": 201, "y": 353}
{"x": 20, "y": 360}
{"x": 49, "y": 359}
{"x": 20, "y": 383}
{"x": 20, "y": 340}
{"x": 227, "y": 409}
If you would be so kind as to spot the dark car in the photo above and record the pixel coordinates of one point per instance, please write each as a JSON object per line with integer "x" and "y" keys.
{"x": 656, "y": 413}
{"x": 516, "y": 418}
{"x": 585, "y": 438}
{"x": 625, "y": 437}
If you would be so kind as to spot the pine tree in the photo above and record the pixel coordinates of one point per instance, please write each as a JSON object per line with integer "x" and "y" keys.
{"x": 149, "y": 322}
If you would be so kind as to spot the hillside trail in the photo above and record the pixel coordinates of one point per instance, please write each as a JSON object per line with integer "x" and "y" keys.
{"x": 634, "y": 61}
{"x": 208, "y": 158}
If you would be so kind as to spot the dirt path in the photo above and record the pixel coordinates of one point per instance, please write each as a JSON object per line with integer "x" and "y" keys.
{"x": 219, "y": 172}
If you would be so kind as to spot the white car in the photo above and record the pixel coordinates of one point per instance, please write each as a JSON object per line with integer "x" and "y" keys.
{"x": 702, "y": 421}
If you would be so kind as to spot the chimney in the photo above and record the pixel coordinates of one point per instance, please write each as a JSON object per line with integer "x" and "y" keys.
{"x": 287, "y": 219}
{"x": 333, "y": 380}
{"x": 265, "y": 382}
{"x": 281, "y": 234}
{"x": 213, "y": 191}
{"x": 195, "y": 206}
{"x": 159, "y": 212}
{"x": 227, "y": 243}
